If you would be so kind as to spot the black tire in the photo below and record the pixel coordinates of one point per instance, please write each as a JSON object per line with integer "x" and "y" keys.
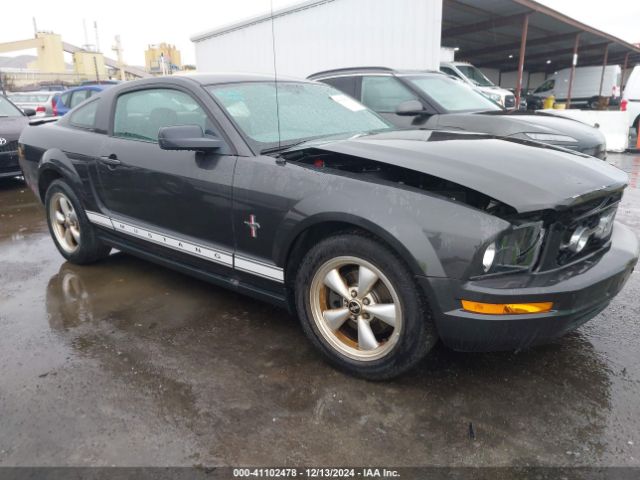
{"x": 417, "y": 336}
{"x": 90, "y": 249}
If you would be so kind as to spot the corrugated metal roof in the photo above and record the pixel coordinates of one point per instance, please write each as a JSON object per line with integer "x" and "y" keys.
{"x": 488, "y": 32}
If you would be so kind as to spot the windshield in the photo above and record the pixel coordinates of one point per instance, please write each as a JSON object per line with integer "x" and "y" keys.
{"x": 546, "y": 86}
{"x": 475, "y": 75}
{"x": 306, "y": 111}
{"x": 7, "y": 109}
{"x": 452, "y": 95}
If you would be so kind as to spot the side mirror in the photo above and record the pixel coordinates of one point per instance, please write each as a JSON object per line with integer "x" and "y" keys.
{"x": 187, "y": 137}
{"x": 410, "y": 108}
{"x": 29, "y": 112}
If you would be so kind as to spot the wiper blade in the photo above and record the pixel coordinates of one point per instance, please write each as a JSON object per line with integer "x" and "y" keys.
{"x": 280, "y": 148}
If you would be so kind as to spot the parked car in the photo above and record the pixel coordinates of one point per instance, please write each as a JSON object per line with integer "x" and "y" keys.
{"x": 585, "y": 91}
{"x": 382, "y": 240}
{"x": 65, "y": 101}
{"x": 474, "y": 77}
{"x": 435, "y": 101}
{"x": 12, "y": 121}
{"x": 41, "y": 102}
{"x": 631, "y": 99}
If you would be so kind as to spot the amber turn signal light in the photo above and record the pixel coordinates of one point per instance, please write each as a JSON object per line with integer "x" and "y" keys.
{"x": 506, "y": 308}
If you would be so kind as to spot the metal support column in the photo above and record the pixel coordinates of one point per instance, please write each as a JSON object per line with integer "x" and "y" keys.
{"x": 574, "y": 61}
{"x": 523, "y": 47}
{"x": 624, "y": 71}
{"x": 604, "y": 65}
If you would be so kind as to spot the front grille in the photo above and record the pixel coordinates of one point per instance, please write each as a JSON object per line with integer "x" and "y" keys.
{"x": 580, "y": 232}
{"x": 509, "y": 101}
{"x": 11, "y": 146}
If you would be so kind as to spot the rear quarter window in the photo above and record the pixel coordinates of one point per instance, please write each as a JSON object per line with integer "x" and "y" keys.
{"x": 85, "y": 116}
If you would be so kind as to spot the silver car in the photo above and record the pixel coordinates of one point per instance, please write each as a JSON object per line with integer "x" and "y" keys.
{"x": 41, "y": 102}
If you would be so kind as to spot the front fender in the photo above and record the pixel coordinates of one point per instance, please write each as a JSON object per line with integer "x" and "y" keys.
{"x": 435, "y": 236}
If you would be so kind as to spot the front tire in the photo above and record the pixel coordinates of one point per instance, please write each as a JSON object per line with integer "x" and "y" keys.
{"x": 74, "y": 236}
{"x": 360, "y": 306}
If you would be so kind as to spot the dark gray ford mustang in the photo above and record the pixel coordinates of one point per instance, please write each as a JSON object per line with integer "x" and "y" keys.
{"x": 381, "y": 240}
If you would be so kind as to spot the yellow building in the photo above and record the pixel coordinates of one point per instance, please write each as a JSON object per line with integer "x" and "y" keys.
{"x": 157, "y": 55}
{"x": 90, "y": 64}
{"x": 49, "y": 49}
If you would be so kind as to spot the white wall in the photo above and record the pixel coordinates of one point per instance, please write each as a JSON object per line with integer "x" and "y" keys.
{"x": 331, "y": 34}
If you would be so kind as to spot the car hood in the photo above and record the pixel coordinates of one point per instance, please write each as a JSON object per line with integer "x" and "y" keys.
{"x": 11, "y": 127}
{"x": 528, "y": 176}
{"x": 503, "y": 123}
{"x": 493, "y": 89}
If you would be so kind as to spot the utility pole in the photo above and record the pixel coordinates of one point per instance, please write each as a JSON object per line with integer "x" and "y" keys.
{"x": 118, "y": 49}
{"x": 86, "y": 37}
{"x": 35, "y": 27}
{"x": 95, "y": 27}
{"x": 95, "y": 64}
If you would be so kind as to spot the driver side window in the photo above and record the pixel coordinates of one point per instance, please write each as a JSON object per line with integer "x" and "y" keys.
{"x": 141, "y": 114}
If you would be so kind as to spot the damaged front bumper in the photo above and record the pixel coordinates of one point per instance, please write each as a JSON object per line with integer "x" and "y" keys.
{"x": 579, "y": 292}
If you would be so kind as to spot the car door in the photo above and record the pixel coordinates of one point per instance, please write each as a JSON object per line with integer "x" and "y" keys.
{"x": 383, "y": 94}
{"x": 181, "y": 198}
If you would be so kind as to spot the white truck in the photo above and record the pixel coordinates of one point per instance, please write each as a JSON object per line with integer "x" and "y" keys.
{"x": 631, "y": 98}
{"x": 585, "y": 90}
{"x": 474, "y": 77}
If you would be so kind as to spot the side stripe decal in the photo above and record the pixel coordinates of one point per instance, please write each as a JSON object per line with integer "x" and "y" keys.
{"x": 99, "y": 219}
{"x": 222, "y": 257}
{"x": 258, "y": 268}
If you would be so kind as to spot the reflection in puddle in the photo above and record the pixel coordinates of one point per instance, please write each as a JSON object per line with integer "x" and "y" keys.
{"x": 216, "y": 361}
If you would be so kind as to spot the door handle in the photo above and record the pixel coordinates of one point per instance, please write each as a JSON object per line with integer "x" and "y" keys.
{"x": 111, "y": 160}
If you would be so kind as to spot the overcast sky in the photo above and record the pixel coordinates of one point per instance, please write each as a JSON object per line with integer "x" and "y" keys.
{"x": 141, "y": 22}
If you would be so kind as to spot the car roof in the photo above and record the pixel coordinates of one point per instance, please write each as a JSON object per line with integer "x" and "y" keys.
{"x": 203, "y": 79}
{"x": 365, "y": 70}
{"x": 34, "y": 92}
{"x": 88, "y": 87}
{"x": 231, "y": 77}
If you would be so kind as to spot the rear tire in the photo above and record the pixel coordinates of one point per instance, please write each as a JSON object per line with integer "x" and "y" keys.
{"x": 360, "y": 306}
{"x": 73, "y": 234}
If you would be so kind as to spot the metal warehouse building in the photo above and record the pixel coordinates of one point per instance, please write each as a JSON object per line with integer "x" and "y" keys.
{"x": 515, "y": 42}
{"x": 323, "y": 34}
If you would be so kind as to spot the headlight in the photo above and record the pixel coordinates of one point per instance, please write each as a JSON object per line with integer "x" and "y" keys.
{"x": 514, "y": 250}
{"x": 551, "y": 137}
{"x": 496, "y": 97}
{"x": 488, "y": 257}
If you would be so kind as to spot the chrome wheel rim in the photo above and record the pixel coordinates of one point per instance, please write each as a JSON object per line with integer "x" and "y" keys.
{"x": 356, "y": 308}
{"x": 64, "y": 222}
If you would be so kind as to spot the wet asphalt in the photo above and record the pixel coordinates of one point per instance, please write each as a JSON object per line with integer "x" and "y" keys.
{"x": 127, "y": 363}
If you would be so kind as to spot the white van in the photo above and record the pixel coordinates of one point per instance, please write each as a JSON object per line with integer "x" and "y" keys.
{"x": 474, "y": 77}
{"x": 585, "y": 89}
{"x": 631, "y": 98}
